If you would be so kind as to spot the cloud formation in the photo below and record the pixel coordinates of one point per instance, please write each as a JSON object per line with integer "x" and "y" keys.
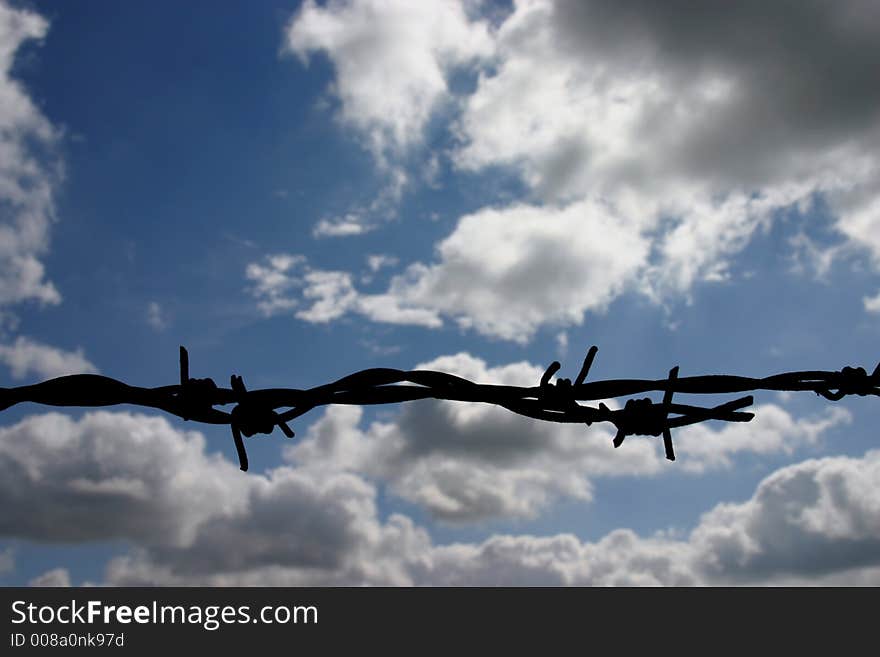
{"x": 109, "y": 476}
{"x": 25, "y": 356}
{"x": 506, "y": 272}
{"x": 29, "y": 170}
{"x": 654, "y": 141}
{"x": 156, "y": 316}
{"x": 503, "y": 272}
{"x": 392, "y": 61}
{"x": 712, "y": 117}
{"x": 813, "y": 522}
{"x": 345, "y": 226}
{"x": 809, "y": 523}
{"x": 286, "y": 282}
{"x": 193, "y": 518}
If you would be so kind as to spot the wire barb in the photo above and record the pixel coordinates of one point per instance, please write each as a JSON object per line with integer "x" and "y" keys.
{"x": 250, "y": 417}
{"x": 588, "y": 363}
{"x": 853, "y": 381}
{"x": 667, "y": 400}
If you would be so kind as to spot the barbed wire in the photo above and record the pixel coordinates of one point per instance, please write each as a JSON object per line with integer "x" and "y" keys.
{"x": 256, "y": 411}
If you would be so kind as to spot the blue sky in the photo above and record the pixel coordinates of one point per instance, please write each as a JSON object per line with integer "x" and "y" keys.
{"x": 299, "y": 192}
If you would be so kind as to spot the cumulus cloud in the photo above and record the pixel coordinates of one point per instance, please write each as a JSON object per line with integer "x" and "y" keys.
{"x": 109, "y": 476}
{"x": 711, "y": 118}
{"x": 469, "y": 462}
{"x": 730, "y": 97}
{"x": 29, "y": 170}
{"x": 502, "y": 272}
{"x": 391, "y": 61}
{"x": 191, "y": 515}
{"x": 812, "y": 522}
{"x": 806, "y": 520}
{"x": 26, "y": 356}
{"x": 193, "y": 518}
{"x": 505, "y": 272}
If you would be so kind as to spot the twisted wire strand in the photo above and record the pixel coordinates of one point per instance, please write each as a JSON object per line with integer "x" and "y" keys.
{"x": 257, "y": 411}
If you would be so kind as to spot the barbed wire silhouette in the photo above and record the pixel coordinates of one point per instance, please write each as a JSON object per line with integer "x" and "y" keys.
{"x": 257, "y": 411}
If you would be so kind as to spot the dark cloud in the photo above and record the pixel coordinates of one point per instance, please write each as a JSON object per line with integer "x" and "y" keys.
{"x": 108, "y": 476}
{"x": 803, "y": 75}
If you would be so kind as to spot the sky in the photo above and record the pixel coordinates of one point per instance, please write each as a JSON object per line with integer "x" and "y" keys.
{"x": 297, "y": 191}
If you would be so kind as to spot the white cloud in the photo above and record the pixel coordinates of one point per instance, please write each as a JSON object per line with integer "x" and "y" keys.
{"x": 347, "y": 226}
{"x": 860, "y": 213}
{"x": 562, "y": 343}
{"x": 772, "y": 431}
{"x": 55, "y": 577}
{"x": 272, "y": 283}
{"x": 25, "y": 356}
{"x": 391, "y": 59}
{"x": 389, "y": 309}
{"x": 156, "y": 316}
{"x": 283, "y": 282}
{"x": 872, "y": 304}
{"x": 361, "y": 219}
{"x": 506, "y": 272}
{"x": 377, "y": 261}
{"x": 813, "y": 259}
{"x": 332, "y": 295}
{"x": 502, "y": 272}
{"x": 29, "y": 170}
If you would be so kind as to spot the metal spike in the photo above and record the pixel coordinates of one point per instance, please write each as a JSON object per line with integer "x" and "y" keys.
{"x": 551, "y": 370}
{"x": 588, "y": 363}
{"x": 184, "y": 365}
